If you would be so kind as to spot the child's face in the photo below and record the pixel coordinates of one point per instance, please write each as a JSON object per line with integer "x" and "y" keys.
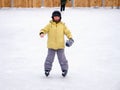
{"x": 56, "y": 18}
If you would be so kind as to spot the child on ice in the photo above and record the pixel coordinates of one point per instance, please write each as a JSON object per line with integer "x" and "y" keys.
{"x": 56, "y": 30}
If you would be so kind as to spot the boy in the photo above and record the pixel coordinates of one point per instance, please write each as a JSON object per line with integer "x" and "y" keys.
{"x": 55, "y": 43}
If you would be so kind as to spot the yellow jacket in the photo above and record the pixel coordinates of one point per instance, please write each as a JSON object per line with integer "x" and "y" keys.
{"x": 56, "y": 32}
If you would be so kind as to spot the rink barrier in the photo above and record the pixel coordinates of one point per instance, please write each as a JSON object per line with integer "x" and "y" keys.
{"x": 56, "y": 3}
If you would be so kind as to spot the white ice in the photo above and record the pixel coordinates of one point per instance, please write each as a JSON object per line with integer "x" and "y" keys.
{"x": 94, "y": 58}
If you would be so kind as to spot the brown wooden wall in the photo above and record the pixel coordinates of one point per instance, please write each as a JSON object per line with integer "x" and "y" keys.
{"x": 81, "y": 3}
{"x": 96, "y": 3}
{"x": 27, "y": 3}
{"x": 56, "y": 3}
{"x": 5, "y": 3}
{"x": 112, "y": 3}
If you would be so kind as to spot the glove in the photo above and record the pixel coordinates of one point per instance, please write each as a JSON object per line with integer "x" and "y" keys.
{"x": 69, "y": 42}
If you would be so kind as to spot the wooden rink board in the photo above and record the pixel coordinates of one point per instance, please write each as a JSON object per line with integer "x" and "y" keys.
{"x": 27, "y": 3}
{"x": 5, "y": 3}
{"x": 109, "y": 3}
{"x": 81, "y": 3}
{"x": 96, "y": 3}
{"x": 56, "y": 3}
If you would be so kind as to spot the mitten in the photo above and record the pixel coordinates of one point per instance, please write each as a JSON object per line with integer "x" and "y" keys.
{"x": 69, "y": 42}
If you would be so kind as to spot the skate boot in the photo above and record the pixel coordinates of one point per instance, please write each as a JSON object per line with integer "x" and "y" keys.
{"x": 64, "y": 73}
{"x": 47, "y": 72}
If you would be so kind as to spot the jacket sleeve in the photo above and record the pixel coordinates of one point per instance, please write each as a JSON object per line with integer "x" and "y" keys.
{"x": 67, "y": 32}
{"x": 45, "y": 29}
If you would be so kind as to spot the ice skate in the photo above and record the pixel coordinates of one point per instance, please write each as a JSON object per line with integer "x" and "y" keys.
{"x": 47, "y": 72}
{"x": 64, "y": 73}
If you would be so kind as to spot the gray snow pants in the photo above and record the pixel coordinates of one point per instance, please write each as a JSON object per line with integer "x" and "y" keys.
{"x": 50, "y": 58}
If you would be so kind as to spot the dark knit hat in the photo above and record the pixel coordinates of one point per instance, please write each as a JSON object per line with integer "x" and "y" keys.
{"x": 56, "y": 13}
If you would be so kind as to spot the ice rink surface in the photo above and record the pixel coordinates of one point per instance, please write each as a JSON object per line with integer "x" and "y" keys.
{"x": 94, "y": 58}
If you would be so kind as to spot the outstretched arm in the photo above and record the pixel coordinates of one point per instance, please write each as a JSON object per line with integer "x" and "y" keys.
{"x": 44, "y": 31}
